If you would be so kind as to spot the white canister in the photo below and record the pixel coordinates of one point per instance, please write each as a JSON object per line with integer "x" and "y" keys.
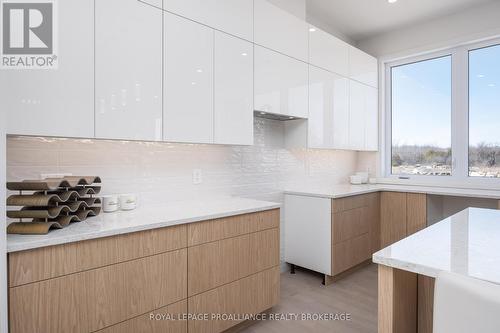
{"x": 109, "y": 203}
{"x": 128, "y": 201}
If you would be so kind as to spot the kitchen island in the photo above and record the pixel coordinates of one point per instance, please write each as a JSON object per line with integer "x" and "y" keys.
{"x": 466, "y": 243}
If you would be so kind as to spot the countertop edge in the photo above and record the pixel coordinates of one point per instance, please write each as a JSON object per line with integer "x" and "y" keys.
{"x": 320, "y": 194}
{"x": 457, "y": 192}
{"x": 155, "y": 225}
{"x": 405, "y": 266}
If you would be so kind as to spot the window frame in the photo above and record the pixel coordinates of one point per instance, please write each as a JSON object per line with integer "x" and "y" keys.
{"x": 459, "y": 120}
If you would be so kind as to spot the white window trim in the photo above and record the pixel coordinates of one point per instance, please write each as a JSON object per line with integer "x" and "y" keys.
{"x": 460, "y": 114}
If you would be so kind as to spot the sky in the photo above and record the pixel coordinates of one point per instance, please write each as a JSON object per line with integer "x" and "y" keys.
{"x": 421, "y": 100}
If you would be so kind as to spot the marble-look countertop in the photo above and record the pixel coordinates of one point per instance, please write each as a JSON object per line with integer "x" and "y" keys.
{"x": 143, "y": 218}
{"x": 467, "y": 243}
{"x": 341, "y": 191}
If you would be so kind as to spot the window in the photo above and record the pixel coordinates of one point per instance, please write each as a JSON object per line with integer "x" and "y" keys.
{"x": 421, "y": 118}
{"x": 442, "y": 120}
{"x": 484, "y": 112}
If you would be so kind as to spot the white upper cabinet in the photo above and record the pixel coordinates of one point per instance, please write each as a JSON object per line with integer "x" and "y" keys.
{"x": 156, "y": 3}
{"x": 232, "y": 16}
{"x": 363, "y": 67}
{"x": 356, "y": 115}
{"x": 363, "y": 122}
{"x": 281, "y": 31}
{"x": 233, "y": 111}
{"x": 188, "y": 81}
{"x": 281, "y": 84}
{"x": 328, "y": 110}
{"x": 328, "y": 52}
{"x": 56, "y": 102}
{"x": 371, "y": 119}
{"x": 128, "y": 65}
{"x": 321, "y": 108}
{"x": 341, "y": 113}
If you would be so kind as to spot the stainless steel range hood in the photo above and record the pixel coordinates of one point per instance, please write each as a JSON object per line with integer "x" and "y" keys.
{"x": 273, "y": 116}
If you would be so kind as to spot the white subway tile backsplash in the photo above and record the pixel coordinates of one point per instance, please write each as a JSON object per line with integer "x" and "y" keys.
{"x": 159, "y": 171}
{"x": 261, "y": 171}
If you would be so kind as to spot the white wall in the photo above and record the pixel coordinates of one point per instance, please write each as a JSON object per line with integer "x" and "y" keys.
{"x": 476, "y": 23}
{"x": 3, "y": 259}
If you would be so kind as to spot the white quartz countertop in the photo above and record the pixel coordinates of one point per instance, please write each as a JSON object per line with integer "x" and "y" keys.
{"x": 143, "y": 218}
{"x": 341, "y": 191}
{"x": 467, "y": 243}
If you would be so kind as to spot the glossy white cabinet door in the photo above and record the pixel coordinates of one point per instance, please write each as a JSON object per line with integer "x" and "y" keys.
{"x": 155, "y": 3}
{"x": 341, "y": 113}
{"x": 363, "y": 67}
{"x": 233, "y": 113}
{"x": 356, "y": 116}
{"x": 56, "y": 102}
{"x": 371, "y": 118}
{"x": 188, "y": 81}
{"x": 328, "y": 52}
{"x": 363, "y": 122}
{"x": 128, "y": 69}
{"x": 232, "y": 16}
{"x": 281, "y": 84}
{"x": 280, "y": 31}
{"x": 321, "y": 108}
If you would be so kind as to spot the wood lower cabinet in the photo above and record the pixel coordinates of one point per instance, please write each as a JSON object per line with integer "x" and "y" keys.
{"x": 331, "y": 236}
{"x": 220, "y": 262}
{"x": 349, "y": 253}
{"x": 92, "y": 300}
{"x": 416, "y": 212}
{"x": 53, "y": 261}
{"x": 140, "y": 282}
{"x": 392, "y": 217}
{"x": 355, "y": 229}
{"x": 169, "y": 319}
{"x": 401, "y": 214}
{"x": 222, "y": 305}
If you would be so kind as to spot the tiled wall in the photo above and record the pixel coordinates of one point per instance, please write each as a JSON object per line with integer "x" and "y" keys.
{"x": 261, "y": 171}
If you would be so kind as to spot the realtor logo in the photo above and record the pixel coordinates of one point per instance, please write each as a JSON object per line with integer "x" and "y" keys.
{"x": 28, "y": 34}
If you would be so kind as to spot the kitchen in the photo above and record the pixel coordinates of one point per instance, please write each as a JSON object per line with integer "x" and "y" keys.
{"x": 255, "y": 160}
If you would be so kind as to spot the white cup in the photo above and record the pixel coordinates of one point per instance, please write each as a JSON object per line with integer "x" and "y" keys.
{"x": 109, "y": 203}
{"x": 128, "y": 201}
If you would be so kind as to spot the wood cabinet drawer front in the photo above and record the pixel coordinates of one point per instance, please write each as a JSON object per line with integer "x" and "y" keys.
{"x": 350, "y": 223}
{"x": 213, "y": 230}
{"x": 250, "y": 295}
{"x": 213, "y": 264}
{"x": 159, "y": 323}
{"x": 350, "y": 253}
{"x": 53, "y": 261}
{"x": 94, "y": 299}
{"x": 348, "y": 203}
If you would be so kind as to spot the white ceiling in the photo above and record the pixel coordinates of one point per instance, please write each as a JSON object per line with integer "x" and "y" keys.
{"x": 361, "y": 19}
